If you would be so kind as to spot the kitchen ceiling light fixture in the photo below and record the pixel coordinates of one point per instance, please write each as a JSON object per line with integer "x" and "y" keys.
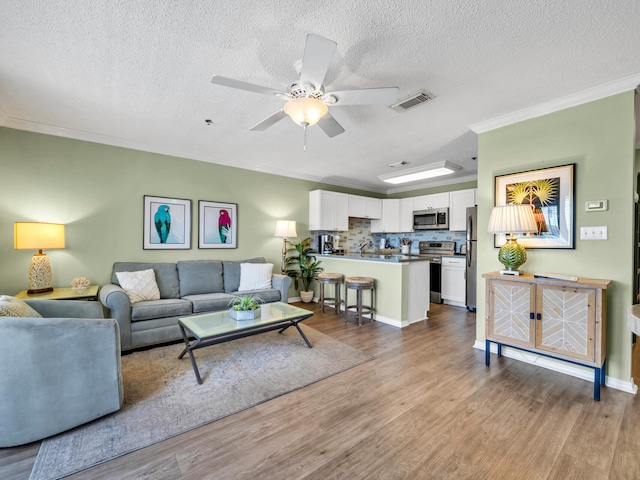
{"x": 510, "y": 219}
{"x": 38, "y": 236}
{"x": 285, "y": 229}
{"x": 421, "y": 173}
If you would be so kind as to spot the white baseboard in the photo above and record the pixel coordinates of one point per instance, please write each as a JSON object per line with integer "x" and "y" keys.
{"x": 577, "y": 371}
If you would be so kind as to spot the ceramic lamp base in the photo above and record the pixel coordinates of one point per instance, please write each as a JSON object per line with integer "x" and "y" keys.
{"x": 40, "y": 279}
{"x": 512, "y": 255}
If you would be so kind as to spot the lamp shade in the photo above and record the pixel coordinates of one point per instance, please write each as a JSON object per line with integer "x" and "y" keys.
{"x": 512, "y": 218}
{"x": 286, "y": 229}
{"x": 305, "y": 111}
{"x": 37, "y": 236}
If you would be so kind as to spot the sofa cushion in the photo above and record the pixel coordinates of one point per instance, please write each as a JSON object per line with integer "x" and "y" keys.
{"x": 166, "y": 276}
{"x": 267, "y": 295}
{"x": 231, "y": 271}
{"x": 170, "y": 307}
{"x": 200, "y": 276}
{"x": 139, "y": 286}
{"x": 255, "y": 276}
{"x": 210, "y": 302}
{"x": 14, "y": 307}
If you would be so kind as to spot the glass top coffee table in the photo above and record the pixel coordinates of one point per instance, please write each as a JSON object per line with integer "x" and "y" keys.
{"x": 218, "y": 327}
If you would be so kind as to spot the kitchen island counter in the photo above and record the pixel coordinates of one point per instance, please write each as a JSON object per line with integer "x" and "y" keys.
{"x": 401, "y": 283}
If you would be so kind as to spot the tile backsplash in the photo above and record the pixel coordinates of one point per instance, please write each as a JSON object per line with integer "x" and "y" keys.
{"x": 360, "y": 232}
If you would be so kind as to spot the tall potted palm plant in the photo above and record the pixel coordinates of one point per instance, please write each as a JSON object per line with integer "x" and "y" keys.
{"x": 303, "y": 267}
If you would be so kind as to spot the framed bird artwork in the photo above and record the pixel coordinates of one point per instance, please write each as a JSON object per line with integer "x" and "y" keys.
{"x": 218, "y": 224}
{"x": 167, "y": 223}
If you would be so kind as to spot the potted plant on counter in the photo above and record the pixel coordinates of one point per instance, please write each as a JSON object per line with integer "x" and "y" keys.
{"x": 303, "y": 267}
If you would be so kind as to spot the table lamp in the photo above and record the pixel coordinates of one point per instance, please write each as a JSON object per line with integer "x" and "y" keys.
{"x": 38, "y": 236}
{"x": 510, "y": 219}
{"x": 285, "y": 229}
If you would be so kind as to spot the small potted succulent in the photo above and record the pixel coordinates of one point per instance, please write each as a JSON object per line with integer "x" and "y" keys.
{"x": 245, "y": 307}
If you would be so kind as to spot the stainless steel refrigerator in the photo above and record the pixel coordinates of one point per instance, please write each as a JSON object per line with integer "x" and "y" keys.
{"x": 472, "y": 256}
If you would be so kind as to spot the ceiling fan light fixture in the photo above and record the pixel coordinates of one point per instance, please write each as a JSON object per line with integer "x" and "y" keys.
{"x": 420, "y": 173}
{"x": 305, "y": 111}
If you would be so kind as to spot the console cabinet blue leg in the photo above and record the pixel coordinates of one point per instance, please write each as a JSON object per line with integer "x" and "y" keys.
{"x": 487, "y": 353}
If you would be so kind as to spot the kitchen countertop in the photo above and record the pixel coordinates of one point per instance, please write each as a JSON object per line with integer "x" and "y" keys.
{"x": 376, "y": 257}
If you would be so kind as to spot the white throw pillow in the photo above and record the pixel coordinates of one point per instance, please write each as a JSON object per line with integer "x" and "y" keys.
{"x": 255, "y": 276}
{"x": 140, "y": 285}
{"x": 13, "y": 307}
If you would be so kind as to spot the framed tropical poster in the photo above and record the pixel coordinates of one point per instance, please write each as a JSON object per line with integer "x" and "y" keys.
{"x": 550, "y": 192}
{"x": 218, "y": 225}
{"x": 167, "y": 223}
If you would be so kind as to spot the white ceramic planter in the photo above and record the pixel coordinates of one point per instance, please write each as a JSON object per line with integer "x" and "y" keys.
{"x": 306, "y": 297}
{"x": 244, "y": 314}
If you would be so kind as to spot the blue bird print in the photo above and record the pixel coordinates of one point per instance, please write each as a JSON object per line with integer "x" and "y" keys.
{"x": 162, "y": 219}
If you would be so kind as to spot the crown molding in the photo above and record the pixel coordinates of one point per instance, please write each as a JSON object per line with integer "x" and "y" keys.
{"x": 584, "y": 96}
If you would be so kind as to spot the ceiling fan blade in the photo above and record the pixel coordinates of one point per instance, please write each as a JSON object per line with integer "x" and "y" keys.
{"x": 251, "y": 87}
{"x": 363, "y": 96}
{"x": 318, "y": 53}
{"x": 330, "y": 126}
{"x": 267, "y": 122}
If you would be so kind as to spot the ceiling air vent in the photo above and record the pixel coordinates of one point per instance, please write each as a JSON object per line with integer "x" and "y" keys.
{"x": 413, "y": 100}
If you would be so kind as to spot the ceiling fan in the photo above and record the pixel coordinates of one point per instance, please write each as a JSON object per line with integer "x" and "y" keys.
{"x": 307, "y": 100}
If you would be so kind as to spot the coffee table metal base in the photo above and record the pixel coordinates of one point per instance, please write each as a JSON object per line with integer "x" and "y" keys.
{"x": 190, "y": 346}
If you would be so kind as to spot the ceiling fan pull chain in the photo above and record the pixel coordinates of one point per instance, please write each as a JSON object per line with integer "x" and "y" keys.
{"x": 304, "y": 147}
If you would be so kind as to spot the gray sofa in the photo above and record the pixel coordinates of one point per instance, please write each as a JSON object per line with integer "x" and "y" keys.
{"x": 186, "y": 288}
{"x": 58, "y": 372}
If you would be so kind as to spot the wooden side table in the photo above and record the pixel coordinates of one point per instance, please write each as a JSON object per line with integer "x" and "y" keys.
{"x": 68, "y": 293}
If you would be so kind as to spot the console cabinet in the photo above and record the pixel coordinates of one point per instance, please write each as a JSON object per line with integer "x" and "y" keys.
{"x": 554, "y": 318}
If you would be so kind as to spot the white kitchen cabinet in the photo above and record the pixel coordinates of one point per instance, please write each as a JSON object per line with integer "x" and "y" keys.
{"x": 365, "y": 207}
{"x": 435, "y": 200}
{"x": 406, "y": 215}
{"x": 328, "y": 211}
{"x": 390, "y": 221}
{"x": 454, "y": 284}
{"x": 460, "y": 200}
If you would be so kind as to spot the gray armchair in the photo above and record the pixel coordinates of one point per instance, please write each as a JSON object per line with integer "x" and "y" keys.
{"x": 58, "y": 372}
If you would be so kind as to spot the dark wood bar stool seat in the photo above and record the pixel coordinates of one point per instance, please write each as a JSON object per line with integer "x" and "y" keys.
{"x": 359, "y": 284}
{"x": 334, "y": 279}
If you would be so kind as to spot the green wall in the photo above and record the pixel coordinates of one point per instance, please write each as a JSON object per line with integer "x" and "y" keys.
{"x": 599, "y": 138}
{"x": 97, "y": 192}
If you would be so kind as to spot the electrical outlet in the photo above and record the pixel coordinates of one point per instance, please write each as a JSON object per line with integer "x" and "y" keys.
{"x": 593, "y": 233}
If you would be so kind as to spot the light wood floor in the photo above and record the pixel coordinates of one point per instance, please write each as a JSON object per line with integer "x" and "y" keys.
{"x": 425, "y": 408}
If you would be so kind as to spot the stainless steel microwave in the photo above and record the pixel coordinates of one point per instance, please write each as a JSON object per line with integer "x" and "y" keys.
{"x": 433, "y": 219}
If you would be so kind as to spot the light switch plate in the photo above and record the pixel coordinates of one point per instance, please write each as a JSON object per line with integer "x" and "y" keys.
{"x": 593, "y": 233}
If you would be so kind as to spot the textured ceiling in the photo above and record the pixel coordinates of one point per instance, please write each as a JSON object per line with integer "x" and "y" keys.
{"x": 137, "y": 74}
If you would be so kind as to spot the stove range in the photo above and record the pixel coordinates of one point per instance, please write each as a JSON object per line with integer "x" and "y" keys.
{"x": 434, "y": 251}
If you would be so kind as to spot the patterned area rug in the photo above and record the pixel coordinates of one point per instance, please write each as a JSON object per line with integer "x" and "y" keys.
{"x": 162, "y": 398}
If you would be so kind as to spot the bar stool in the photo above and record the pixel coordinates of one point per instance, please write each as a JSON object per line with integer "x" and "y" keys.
{"x": 359, "y": 284}
{"x": 334, "y": 279}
